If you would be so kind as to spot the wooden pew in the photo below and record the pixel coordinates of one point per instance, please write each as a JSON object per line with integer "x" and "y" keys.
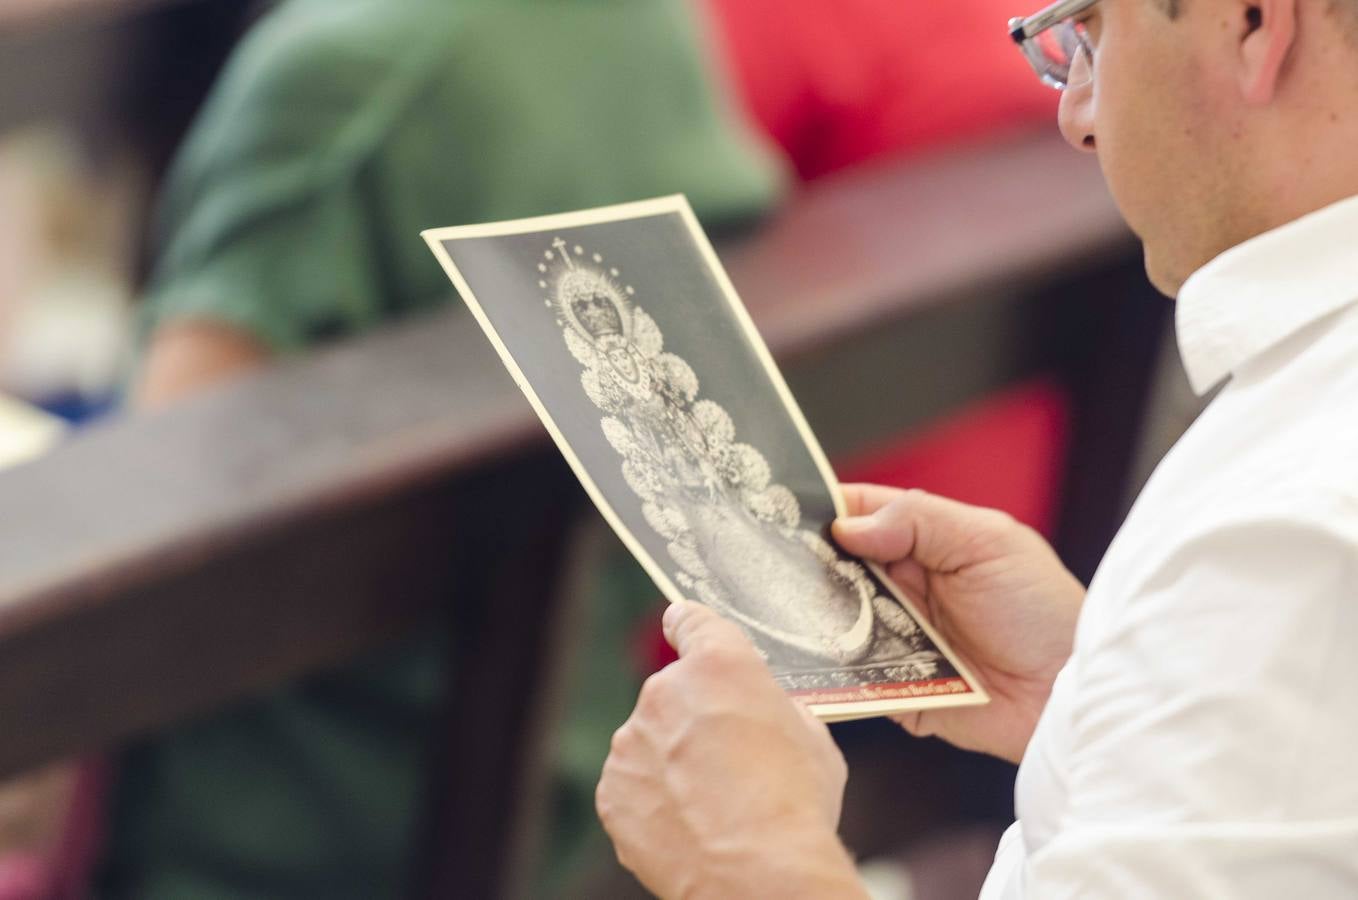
{"x": 155, "y": 568}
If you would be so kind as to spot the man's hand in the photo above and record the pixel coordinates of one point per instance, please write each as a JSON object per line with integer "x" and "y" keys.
{"x": 993, "y": 588}
{"x": 720, "y": 785}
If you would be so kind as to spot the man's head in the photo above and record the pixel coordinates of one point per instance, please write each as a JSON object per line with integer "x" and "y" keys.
{"x": 1216, "y": 120}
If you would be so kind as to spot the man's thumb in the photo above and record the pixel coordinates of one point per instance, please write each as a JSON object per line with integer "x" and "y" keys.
{"x": 934, "y": 531}
{"x": 879, "y": 537}
{"x": 689, "y": 625}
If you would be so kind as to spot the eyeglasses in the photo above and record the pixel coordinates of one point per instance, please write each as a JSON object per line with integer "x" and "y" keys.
{"x": 1057, "y": 46}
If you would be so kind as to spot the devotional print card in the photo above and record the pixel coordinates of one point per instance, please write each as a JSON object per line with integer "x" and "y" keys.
{"x": 625, "y": 334}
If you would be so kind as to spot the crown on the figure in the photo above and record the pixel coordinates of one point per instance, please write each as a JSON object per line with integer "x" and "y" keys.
{"x": 586, "y": 298}
{"x": 596, "y": 313}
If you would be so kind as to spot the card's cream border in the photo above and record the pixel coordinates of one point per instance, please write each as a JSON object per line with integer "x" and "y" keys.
{"x": 663, "y": 206}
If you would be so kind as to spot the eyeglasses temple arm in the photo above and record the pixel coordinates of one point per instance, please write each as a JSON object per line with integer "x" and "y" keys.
{"x": 1023, "y": 29}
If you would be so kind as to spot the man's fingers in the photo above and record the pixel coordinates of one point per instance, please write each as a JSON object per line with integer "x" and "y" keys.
{"x": 913, "y": 580}
{"x": 690, "y": 626}
{"x": 914, "y": 724}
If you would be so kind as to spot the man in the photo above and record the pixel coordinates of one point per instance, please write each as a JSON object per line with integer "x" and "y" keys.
{"x": 1184, "y": 727}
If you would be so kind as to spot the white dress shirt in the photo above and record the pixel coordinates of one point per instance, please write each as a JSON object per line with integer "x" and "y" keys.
{"x": 1202, "y": 741}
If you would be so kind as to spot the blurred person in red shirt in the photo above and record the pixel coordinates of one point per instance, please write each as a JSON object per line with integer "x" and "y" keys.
{"x": 836, "y": 83}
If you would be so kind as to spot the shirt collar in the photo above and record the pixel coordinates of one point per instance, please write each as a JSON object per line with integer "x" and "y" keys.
{"x": 1254, "y": 295}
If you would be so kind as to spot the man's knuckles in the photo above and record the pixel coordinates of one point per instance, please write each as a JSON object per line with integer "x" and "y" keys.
{"x": 623, "y": 743}
{"x": 655, "y": 697}
{"x": 722, "y": 660}
{"x": 606, "y": 799}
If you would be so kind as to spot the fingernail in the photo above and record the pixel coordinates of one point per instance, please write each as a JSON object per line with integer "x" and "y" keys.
{"x": 852, "y": 523}
{"x": 672, "y": 617}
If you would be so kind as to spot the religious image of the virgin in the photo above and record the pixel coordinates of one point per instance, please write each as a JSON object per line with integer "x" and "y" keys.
{"x": 735, "y": 537}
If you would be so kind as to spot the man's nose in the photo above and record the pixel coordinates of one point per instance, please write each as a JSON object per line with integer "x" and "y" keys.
{"x": 1076, "y": 117}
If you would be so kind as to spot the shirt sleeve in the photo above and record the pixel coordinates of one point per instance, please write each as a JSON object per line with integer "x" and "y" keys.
{"x": 267, "y": 220}
{"x": 1211, "y": 726}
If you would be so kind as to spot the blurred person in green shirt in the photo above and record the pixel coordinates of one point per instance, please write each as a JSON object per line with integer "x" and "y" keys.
{"x": 338, "y": 131}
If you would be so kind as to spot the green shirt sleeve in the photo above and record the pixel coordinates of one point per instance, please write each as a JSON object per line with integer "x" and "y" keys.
{"x": 341, "y": 129}
{"x": 265, "y": 221}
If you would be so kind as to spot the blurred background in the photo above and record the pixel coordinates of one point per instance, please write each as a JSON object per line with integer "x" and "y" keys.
{"x": 214, "y": 308}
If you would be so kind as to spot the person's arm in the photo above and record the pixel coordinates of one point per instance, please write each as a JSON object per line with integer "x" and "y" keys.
{"x": 189, "y": 355}
{"x": 1206, "y": 742}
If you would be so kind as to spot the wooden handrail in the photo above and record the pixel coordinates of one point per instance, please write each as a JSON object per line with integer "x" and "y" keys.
{"x": 157, "y": 566}
{"x": 874, "y": 244}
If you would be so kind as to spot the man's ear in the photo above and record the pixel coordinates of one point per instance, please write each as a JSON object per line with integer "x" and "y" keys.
{"x": 1267, "y": 35}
